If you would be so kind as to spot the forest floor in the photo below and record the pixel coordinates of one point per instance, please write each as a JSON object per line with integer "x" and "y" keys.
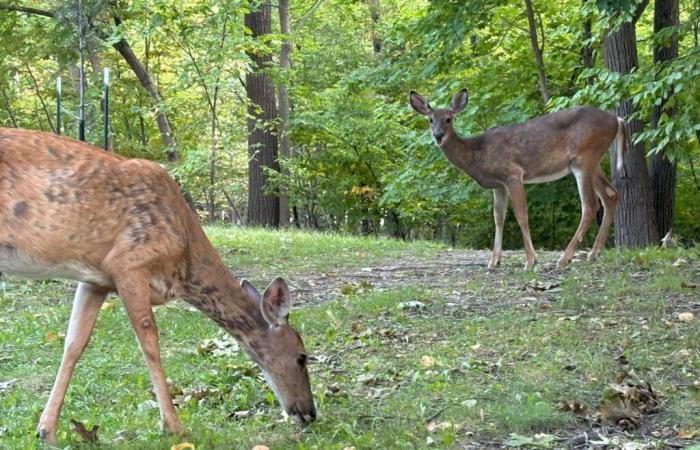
{"x": 412, "y": 345}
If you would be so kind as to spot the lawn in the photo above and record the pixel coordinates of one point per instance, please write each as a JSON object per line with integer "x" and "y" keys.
{"x": 412, "y": 345}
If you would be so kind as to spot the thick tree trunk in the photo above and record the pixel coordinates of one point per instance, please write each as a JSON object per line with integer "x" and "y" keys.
{"x": 263, "y": 210}
{"x": 635, "y": 225}
{"x": 285, "y": 65}
{"x": 587, "y": 56}
{"x": 662, "y": 170}
{"x": 536, "y": 50}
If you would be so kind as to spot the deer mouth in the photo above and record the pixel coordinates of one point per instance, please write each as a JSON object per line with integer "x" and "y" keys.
{"x": 302, "y": 418}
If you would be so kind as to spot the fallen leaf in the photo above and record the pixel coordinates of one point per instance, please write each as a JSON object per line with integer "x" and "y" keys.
{"x": 411, "y": 306}
{"x": 575, "y": 408}
{"x": 107, "y": 306}
{"x": 427, "y": 361}
{"x": 686, "y": 434}
{"x": 51, "y": 336}
{"x": 686, "y": 317}
{"x": 261, "y": 447}
{"x": 183, "y": 446}
{"x": 7, "y": 385}
{"x": 679, "y": 262}
{"x": 85, "y": 434}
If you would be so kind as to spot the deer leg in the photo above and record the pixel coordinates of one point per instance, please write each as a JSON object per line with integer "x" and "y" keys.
{"x": 589, "y": 207}
{"x": 500, "y": 208}
{"x": 517, "y": 197}
{"x": 86, "y": 306}
{"x": 609, "y": 197}
{"x": 135, "y": 294}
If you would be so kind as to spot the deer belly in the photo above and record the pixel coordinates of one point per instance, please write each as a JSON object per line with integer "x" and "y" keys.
{"x": 15, "y": 262}
{"x": 544, "y": 178}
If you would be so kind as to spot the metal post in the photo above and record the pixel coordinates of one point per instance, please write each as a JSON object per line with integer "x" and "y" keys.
{"x": 81, "y": 69}
{"x": 58, "y": 105}
{"x": 106, "y": 112}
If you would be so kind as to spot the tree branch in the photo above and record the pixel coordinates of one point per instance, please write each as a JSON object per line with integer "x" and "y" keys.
{"x": 27, "y": 10}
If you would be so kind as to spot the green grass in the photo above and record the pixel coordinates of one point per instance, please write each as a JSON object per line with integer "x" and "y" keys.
{"x": 487, "y": 361}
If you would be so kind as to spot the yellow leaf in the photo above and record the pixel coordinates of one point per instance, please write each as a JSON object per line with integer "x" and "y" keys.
{"x": 261, "y": 447}
{"x": 51, "y": 336}
{"x": 427, "y": 361}
{"x": 107, "y": 306}
{"x": 686, "y": 434}
{"x": 183, "y": 446}
{"x": 686, "y": 317}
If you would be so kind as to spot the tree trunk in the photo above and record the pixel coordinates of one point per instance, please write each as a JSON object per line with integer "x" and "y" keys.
{"x": 662, "y": 170}
{"x": 374, "y": 11}
{"x": 263, "y": 210}
{"x": 8, "y": 108}
{"x": 536, "y": 50}
{"x": 285, "y": 65}
{"x": 587, "y": 57}
{"x": 635, "y": 224}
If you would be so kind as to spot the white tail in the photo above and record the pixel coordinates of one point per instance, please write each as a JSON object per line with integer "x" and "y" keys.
{"x": 620, "y": 142}
{"x": 70, "y": 210}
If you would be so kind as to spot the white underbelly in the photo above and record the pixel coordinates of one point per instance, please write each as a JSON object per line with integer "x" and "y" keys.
{"x": 15, "y": 262}
{"x": 547, "y": 178}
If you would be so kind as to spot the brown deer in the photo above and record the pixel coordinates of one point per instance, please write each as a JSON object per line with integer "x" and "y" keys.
{"x": 542, "y": 149}
{"x": 69, "y": 210}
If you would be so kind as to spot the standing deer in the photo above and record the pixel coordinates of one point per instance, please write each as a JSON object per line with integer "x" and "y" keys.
{"x": 69, "y": 210}
{"x": 542, "y": 149}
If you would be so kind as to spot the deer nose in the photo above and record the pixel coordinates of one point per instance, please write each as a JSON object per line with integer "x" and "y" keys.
{"x": 438, "y": 136}
{"x": 303, "y": 418}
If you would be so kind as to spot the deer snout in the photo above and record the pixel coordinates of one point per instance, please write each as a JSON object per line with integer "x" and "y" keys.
{"x": 438, "y": 136}
{"x": 302, "y": 416}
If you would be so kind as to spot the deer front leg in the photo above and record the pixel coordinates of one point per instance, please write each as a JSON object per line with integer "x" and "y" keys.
{"x": 135, "y": 294}
{"x": 500, "y": 209}
{"x": 517, "y": 196}
{"x": 86, "y": 306}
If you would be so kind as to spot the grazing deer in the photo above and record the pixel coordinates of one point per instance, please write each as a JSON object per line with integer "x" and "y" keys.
{"x": 542, "y": 149}
{"x": 70, "y": 210}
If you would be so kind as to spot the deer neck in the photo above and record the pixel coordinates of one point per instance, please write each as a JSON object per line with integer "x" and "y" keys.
{"x": 459, "y": 151}
{"x": 207, "y": 284}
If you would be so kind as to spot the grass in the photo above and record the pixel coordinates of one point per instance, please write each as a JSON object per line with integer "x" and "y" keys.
{"x": 486, "y": 362}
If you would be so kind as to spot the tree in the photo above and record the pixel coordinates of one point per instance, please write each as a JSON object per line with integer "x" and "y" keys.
{"x": 263, "y": 209}
{"x": 283, "y": 97}
{"x": 635, "y": 224}
{"x": 662, "y": 170}
{"x": 536, "y": 50}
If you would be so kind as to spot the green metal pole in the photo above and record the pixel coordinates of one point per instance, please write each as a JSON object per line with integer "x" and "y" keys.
{"x": 106, "y": 115}
{"x": 58, "y": 105}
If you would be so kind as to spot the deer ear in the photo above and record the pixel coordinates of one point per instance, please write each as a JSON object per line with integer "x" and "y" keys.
{"x": 276, "y": 302}
{"x": 251, "y": 291}
{"x": 419, "y": 104}
{"x": 459, "y": 101}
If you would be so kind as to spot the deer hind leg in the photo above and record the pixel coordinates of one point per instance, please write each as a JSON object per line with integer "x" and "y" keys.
{"x": 500, "y": 208}
{"x": 135, "y": 293}
{"x": 589, "y": 207}
{"x": 86, "y": 306}
{"x": 517, "y": 196}
{"x": 609, "y": 196}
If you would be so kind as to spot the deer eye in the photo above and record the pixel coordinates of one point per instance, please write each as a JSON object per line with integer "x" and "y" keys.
{"x": 301, "y": 359}
{"x": 431, "y": 120}
{"x": 448, "y": 120}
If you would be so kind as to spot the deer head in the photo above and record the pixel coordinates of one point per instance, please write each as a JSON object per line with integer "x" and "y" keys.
{"x": 280, "y": 353}
{"x": 440, "y": 120}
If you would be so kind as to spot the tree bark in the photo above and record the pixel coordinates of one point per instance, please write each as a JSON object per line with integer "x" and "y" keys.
{"x": 263, "y": 210}
{"x": 587, "y": 56}
{"x": 8, "y": 108}
{"x": 536, "y": 50}
{"x": 144, "y": 77}
{"x": 283, "y": 99}
{"x": 662, "y": 170}
{"x": 635, "y": 224}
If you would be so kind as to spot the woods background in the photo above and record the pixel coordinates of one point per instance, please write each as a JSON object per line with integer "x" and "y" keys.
{"x": 279, "y": 114}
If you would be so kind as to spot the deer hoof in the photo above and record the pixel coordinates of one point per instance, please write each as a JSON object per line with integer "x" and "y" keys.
{"x": 49, "y": 438}
{"x": 176, "y": 428}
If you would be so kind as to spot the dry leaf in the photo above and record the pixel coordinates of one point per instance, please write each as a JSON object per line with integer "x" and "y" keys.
{"x": 261, "y": 447}
{"x": 85, "y": 434}
{"x": 686, "y": 317}
{"x": 183, "y": 446}
{"x": 7, "y": 385}
{"x": 575, "y": 408}
{"x": 51, "y": 336}
{"x": 427, "y": 361}
{"x": 107, "y": 306}
{"x": 686, "y": 434}
{"x": 680, "y": 262}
